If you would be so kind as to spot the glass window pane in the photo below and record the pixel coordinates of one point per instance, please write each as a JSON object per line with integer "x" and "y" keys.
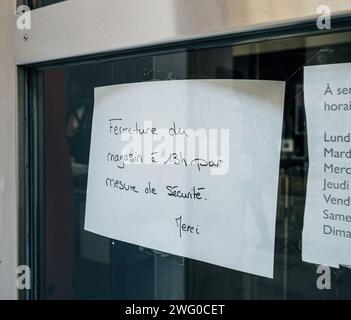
{"x": 43, "y": 3}
{"x": 78, "y": 264}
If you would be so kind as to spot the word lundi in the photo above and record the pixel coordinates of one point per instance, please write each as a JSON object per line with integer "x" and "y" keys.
{"x": 337, "y": 138}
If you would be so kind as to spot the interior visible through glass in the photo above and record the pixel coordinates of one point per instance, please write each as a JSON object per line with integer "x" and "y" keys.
{"x": 34, "y": 4}
{"x": 80, "y": 265}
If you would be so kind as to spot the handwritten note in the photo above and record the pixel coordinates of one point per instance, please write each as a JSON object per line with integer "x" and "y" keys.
{"x": 189, "y": 168}
{"x": 327, "y": 221}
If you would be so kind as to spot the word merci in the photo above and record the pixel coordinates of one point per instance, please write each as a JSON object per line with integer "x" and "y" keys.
{"x": 186, "y": 228}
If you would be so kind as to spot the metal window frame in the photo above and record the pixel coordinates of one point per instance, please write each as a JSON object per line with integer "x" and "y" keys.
{"x": 9, "y": 142}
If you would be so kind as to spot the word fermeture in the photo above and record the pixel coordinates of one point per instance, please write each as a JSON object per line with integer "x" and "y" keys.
{"x": 117, "y": 129}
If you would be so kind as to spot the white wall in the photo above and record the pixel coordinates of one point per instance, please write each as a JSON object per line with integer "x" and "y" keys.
{"x": 8, "y": 153}
{"x": 81, "y": 27}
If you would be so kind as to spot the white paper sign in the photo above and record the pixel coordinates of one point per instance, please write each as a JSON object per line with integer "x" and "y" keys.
{"x": 327, "y": 221}
{"x": 189, "y": 168}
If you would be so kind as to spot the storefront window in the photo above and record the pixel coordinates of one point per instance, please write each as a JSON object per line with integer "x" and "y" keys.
{"x": 78, "y": 264}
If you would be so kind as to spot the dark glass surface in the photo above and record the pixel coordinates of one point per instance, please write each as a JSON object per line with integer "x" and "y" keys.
{"x": 78, "y": 264}
{"x": 43, "y": 3}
